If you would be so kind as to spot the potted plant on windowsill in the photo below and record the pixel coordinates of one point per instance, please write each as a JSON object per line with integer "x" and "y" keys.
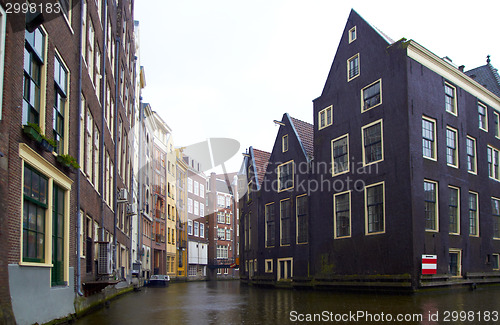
{"x": 33, "y": 131}
{"x": 68, "y": 161}
{"x": 48, "y": 144}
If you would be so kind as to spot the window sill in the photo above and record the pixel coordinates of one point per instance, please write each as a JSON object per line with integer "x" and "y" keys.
{"x": 34, "y": 264}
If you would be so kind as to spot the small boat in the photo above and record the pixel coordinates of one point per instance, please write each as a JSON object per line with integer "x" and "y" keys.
{"x": 159, "y": 280}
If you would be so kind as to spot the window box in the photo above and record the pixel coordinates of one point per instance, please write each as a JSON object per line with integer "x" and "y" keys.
{"x": 68, "y": 162}
{"x": 33, "y": 131}
{"x": 48, "y": 144}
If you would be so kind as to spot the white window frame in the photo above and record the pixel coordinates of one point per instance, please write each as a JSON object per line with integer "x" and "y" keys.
{"x": 381, "y": 141}
{"x": 455, "y": 154}
{"x": 362, "y": 96}
{"x": 269, "y": 265}
{"x": 474, "y": 170}
{"x": 351, "y": 32}
{"x": 325, "y": 113}
{"x": 335, "y": 235}
{"x": 458, "y": 209}
{"x": 434, "y": 141}
{"x": 349, "y": 78}
{"x": 366, "y": 208}
{"x": 436, "y": 198}
{"x": 485, "y": 116}
{"x": 454, "y": 103}
{"x": 333, "y": 158}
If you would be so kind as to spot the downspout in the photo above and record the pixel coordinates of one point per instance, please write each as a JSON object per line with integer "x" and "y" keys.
{"x": 115, "y": 170}
{"x": 78, "y": 150}
{"x": 141, "y": 180}
{"x": 102, "y": 152}
{"x": 131, "y": 172}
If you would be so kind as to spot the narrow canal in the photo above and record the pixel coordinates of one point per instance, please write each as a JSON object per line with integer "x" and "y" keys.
{"x": 228, "y": 302}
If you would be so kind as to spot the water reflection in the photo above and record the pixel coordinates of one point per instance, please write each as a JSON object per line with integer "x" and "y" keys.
{"x": 228, "y": 302}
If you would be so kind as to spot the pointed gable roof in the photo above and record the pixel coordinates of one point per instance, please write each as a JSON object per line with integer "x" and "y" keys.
{"x": 304, "y": 132}
{"x": 487, "y": 76}
{"x": 260, "y": 161}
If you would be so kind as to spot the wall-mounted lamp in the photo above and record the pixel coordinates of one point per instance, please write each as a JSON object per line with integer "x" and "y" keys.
{"x": 279, "y": 123}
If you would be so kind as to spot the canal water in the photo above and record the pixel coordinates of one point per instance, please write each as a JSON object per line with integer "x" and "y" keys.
{"x": 229, "y": 302}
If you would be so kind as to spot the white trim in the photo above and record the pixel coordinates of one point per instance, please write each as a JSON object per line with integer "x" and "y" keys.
{"x": 449, "y": 72}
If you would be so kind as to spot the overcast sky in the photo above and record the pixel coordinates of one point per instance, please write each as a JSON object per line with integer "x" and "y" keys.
{"x": 228, "y": 68}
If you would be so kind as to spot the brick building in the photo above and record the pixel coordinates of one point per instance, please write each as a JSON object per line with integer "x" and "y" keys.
{"x": 222, "y": 225}
{"x": 406, "y": 165}
{"x": 67, "y": 101}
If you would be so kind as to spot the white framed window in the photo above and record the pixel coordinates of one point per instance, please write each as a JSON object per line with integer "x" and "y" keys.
{"x": 228, "y": 201}
{"x": 483, "y": 116}
{"x": 495, "y": 212}
{"x": 202, "y": 230}
{"x": 342, "y": 215}
{"x": 340, "y": 155}
{"x": 450, "y": 99}
{"x": 352, "y": 34}
{"x": 451, "y": 147}
{"x": 190, "y": 227}
{"x": 196, "y": 228}
{"x": 496, "y": 124}
{"x": 228, "y": 218}
{"x": 202, "y": 190}
{"x": 190, "y": 205}
{"x": 286, "y": 176}
{"x": 302, "y": 219}
{"x": 284, "y": 143}
{"x": 221, "y": 234}
{"x": 221, "y": 200}
{"x": 454, "y": 210}
{"x": 473, "y": 214}
{"x": 353, "y": 67}
{"x": 220, "y": 217}
{"x": 285, "y": 222}
{"x": 431, "y": 205}
{"x": 371, "y": 96}
{"x": 325, "y": 117}
{"x": 196, "y": 188}
{"x": 270, "y": 233}
{"x": 471, "y": 155}
{"x": 269, "y": 265}
{"x": 493, "y": 156}
{"x": 373, "y": 143}
{"x": 375, "y": 209}
{"x": 202, "y": 209}
{"x": 190, "y": 185}
{"x": 429, "y": 142}
{"x": 196, "y": 208}
{"x": 228, "y": 234}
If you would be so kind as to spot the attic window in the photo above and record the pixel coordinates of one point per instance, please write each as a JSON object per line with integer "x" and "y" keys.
{"x": 284, "y": 143}
{"x": 352, "y": 34}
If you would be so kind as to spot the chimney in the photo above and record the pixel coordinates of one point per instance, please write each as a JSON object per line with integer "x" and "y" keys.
{"x": 461, "y": 68}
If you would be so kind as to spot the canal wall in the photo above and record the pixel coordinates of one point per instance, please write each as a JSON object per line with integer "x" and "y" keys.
{"x": 393, "y": 283}
{"x": 85, "y": 305}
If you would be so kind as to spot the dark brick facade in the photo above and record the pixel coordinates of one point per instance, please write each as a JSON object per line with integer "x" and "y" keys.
{"x": 387, "y": 251}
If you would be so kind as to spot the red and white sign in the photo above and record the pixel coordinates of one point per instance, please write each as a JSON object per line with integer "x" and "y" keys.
{"x": 429, "y": 264}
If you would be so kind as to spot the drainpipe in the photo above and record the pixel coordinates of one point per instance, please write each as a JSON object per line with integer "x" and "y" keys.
{"x": 115, "y": 171}
{"x": 131, "y": 172}
{"x": 79, "y": 131}
{"x": 141, "y": 181}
